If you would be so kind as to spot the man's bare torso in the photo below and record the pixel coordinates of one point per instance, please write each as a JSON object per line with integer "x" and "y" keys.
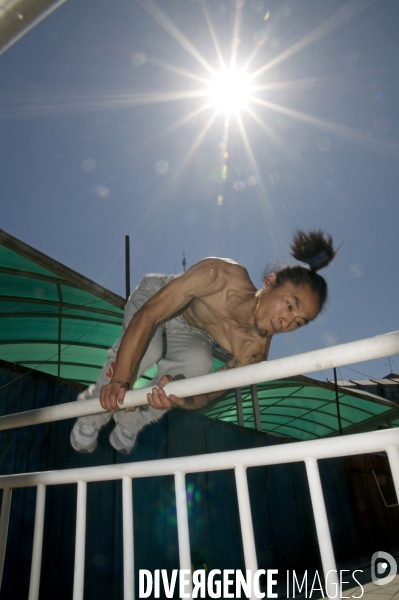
{"x": 228, "y": 315}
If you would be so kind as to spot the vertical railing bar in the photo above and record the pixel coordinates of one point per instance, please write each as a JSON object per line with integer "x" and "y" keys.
{"x": 80, "y": 541}
{"x": 4, "y": 519}
{"x": 322, "y": 527}
{"x": 247, "y": 530}
{"x": 128, "y": 548}
{"x": 393, "y": 457}
{"x": 36, "y": 564}
{"x": 255, "y": 404}
{"x": 240, "y": 411}
{"x": 182, "y": 526}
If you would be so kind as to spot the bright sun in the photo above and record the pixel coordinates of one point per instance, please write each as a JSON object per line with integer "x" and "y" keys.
{"x": 229, "y": 91}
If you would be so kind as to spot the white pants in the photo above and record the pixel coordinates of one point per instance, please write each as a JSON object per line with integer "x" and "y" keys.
{"x": 188, "y": 353}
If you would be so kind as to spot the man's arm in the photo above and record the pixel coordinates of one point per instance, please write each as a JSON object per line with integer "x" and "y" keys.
{"x": 203, "y": 279}
{"x": 158, "y": 398}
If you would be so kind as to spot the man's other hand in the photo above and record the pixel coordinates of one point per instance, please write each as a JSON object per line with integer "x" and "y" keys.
{"x": 158, "y": 399}
{"x": 112, "y": 395}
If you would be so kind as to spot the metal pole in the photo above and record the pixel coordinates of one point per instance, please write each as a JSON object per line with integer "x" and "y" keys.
{"x": 247, "y": 530}
{"x": 184, "y": 262}
{"x": 127, "y": 265}
{"x": 80, "y": 541}
{"x": 4, "y": 519}
{"x": 37, "y": 543}
{"x": 322, "y": 528}
{"x": 255, "y": 405}
{"x": 327, "y": 358}
{"x": 240, "y": 412}
{"x": 393, "y": 456}
{"x": 337, "y": 402}
{"x": 182, "y": 527}
{"x": 128, "y": 548}
{"x": 59, "y": 337}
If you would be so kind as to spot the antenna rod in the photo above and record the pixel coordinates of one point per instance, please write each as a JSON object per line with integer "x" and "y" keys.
{"x": 127, "y": 265}
{"x": 337, "y": 402}
{"x": 184, "y": 262}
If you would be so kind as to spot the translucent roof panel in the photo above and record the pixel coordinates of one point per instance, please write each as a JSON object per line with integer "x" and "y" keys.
{"x": 51, "y": 318}
{"x": 303, "y": 408}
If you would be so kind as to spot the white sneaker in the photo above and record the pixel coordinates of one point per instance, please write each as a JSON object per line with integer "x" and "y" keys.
{"x": 84, "y": 438}
{"x": 122, "y": 439}
{"x": 87, "y": 393}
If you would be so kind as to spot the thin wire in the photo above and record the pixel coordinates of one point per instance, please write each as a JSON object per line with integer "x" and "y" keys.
{"x": 360, "y": 373}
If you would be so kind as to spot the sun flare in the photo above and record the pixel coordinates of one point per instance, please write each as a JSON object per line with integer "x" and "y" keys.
{"x": 229, "y": 91}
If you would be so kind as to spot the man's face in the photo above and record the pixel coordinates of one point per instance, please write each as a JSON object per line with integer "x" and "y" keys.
{"x": 284, "y": 308}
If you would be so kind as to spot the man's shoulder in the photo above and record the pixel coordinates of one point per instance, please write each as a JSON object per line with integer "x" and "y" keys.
{"x": 223, "y": 263}
{"x": 212, "y": 275}
{"x": 230, "y": 268}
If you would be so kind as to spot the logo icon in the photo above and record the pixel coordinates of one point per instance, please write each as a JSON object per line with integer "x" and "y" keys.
{"x": 383, "y": 568}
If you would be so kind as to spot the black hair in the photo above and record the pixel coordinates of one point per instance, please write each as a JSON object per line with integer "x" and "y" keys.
{"x": 316, "y": 250}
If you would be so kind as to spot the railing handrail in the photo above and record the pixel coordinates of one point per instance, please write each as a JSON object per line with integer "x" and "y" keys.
{"x": 379, "y": 346}
{"x": 360, "y": 443}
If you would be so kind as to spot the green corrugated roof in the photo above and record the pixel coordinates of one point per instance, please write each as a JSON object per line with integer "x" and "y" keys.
{"x": 51, "y": 318}
{"x": 305, "y": 409}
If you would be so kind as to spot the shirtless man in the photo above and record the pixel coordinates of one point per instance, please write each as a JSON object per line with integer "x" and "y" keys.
{"x": 214, "y": 300}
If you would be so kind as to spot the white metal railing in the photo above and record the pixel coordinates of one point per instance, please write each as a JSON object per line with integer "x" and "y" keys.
{"x": 308, "y": 452}
{"x": 239, "y": 460}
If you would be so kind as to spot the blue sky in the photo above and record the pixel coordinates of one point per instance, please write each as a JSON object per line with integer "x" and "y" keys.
{"x": 91, "y": 151}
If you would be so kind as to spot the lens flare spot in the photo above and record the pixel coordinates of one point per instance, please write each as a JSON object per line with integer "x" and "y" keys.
{"x": 88, "y": 165}
{"x": 162, "y": 167}
{"x": 252, "y": 180}
{"x": 220, "y": 200}
{"x": 257, "y": 5}
{"x": 329, "y": 339}
{"x": 351, "y": 58}
{"x": 356, "y": 271}
{"x": 274, "y": 177}
{"x": 239, "y": 186}
{"x": 260, "y": 37}
{"x": 324, "y": 144}
{"x": 102, "y": 191}
{"x": 286, "y": 11}
{"x": 139, "y": 59}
